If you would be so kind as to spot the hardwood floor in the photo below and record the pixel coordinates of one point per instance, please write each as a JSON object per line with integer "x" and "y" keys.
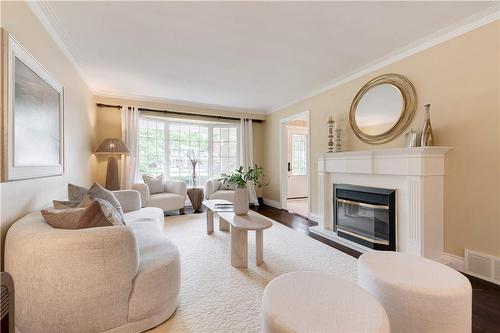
{"x": 485, "y": 295}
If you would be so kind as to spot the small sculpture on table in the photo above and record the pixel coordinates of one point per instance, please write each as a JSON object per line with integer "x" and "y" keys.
{"x": 337, "y": 146}
{"x": 331, "y": 124}
{"x": 194, "y": 159}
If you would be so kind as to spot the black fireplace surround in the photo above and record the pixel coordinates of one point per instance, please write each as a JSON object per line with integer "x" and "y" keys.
{"x": 365, "y": 215}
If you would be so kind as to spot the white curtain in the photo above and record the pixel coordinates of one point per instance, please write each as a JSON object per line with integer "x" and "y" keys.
{"x": 246, "y": 153}
{"x": 130, "y": 131}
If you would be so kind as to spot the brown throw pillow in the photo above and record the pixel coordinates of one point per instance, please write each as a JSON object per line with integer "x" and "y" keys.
{"x": 77, "y": 218}
{"x": 96, "y": 191}
{"x": 109, "y": 211}
{"x": 76, "y": 193}
{"x": 61, "y": 204}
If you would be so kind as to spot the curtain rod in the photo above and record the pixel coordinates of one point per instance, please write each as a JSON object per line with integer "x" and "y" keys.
{"x": 101, "y": 105}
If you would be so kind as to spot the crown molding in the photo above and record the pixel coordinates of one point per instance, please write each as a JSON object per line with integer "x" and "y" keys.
{"x": 152, "y": 99}
{"x": 52, "y": 25}
{"x": 473, "y": 22}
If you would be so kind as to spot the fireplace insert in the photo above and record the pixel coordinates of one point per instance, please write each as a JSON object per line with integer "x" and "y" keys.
{"x": 366, "y": 216}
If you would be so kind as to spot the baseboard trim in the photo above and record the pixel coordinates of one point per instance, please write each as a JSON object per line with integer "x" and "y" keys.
{"x": 272, "y": 203}
{"x": 453, "y": 261}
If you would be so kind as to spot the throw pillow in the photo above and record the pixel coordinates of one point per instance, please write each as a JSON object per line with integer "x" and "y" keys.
{"x": 96, "y": 191}
{"x": 155, "y": 185}
{"x": 58, "y": 204}
{"x": 77, "y": 218}
{"x": 107, "y": 208}
{"x": 76, "y": 193}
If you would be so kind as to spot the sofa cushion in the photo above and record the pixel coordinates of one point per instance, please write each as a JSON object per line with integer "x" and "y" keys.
{"x": 166, "y": 201}
{"x": 65, "y": 204}
{"x": 96, "y": 214}
{"x": 99, "y": 192}
{"x": 151, "y": 215}
{"x": 155, "y": 184}
{"x": 223, "y": 195}
{"x": 76, "y": 193}
{"x": 159, "y": 261}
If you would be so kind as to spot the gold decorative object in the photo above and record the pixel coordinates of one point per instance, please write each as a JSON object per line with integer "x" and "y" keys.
{"x": 331, "y": 123}
{"x": 427, "y": 139}
{"x": 383, "y": 108}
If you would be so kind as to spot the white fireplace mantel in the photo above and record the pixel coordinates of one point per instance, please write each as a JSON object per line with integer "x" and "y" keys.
{"x": 417, "y": 175}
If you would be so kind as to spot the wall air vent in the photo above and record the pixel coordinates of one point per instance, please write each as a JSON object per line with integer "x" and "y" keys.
{"x": 483, "y": 266}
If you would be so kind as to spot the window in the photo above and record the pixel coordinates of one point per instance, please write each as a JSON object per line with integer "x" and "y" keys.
{"x": 163, "y": 145}
{"x": 299, "y": 159}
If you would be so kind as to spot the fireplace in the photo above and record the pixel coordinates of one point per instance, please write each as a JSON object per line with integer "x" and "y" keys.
{"x": 365, "y": 215}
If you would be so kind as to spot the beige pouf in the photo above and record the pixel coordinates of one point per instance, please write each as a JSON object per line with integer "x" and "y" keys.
{"x": 419, "y": 295}
{"x": 319, "y": 302}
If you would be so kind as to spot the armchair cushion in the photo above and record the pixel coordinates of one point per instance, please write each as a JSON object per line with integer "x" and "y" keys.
{"x": 155, "y": 184}
{"x": 176, "y": 186}
{"x": 166, "y": 201}
{"x": 212, "y": 186}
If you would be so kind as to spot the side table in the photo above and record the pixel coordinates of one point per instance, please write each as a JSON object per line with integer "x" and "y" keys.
{"x": 195, "y": 195}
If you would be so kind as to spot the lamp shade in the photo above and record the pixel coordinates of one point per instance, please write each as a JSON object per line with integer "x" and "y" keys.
{"x": 112, "y": 146}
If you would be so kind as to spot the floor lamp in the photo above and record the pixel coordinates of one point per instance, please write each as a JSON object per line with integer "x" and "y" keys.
{"x": 112, "y": 147}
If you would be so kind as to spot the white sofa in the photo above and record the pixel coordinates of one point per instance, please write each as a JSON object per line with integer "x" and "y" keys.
{"x": 172, "y": 198}
{"x": 215, "y": 189}
{"x": 104, "y": 279}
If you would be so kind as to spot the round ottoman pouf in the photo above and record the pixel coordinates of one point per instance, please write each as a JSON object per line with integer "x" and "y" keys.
{"x": 419, "y": 295}
{"x": 319, "y": 302}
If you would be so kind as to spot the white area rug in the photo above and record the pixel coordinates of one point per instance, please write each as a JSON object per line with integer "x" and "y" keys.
{"x": 215, "y": 296}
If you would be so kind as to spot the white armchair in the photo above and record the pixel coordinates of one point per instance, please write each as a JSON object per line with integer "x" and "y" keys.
{"x": 172, "y": 198}
{"x": 215, "y": 189}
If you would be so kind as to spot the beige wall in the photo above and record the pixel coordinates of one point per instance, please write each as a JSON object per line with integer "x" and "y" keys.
{"x": 109, "y": 124}
{"x": 460, "y": 78}
{"x": 21, "y": 197}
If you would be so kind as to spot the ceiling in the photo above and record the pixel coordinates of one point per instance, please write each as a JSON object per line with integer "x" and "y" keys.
{"x": 254, "y": 56}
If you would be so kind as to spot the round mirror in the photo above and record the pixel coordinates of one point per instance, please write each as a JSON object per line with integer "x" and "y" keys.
{"x": 383, "y": 108}
{"x": 379, "y": 109}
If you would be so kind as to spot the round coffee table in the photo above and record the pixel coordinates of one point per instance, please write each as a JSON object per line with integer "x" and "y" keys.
{"x": 195, "y": 195}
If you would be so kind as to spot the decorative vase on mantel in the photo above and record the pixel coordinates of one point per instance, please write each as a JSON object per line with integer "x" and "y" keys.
{"x": 427, "y": 140}
{"x": 241, "y": 201}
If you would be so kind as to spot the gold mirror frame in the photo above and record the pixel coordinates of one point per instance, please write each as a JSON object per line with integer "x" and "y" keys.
{"x": 409, "y": 107}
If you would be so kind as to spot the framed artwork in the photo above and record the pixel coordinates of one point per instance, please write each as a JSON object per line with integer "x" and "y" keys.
{"x": 32, "y": 116}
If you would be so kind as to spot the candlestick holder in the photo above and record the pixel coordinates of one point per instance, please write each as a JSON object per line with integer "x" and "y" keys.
{"x": 331, "y": 123}
{"x": 337, "y": 146}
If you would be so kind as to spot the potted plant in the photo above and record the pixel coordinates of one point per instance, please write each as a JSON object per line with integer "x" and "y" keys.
{"x": 259, "y": 182}
{"x": 240, "y": 178}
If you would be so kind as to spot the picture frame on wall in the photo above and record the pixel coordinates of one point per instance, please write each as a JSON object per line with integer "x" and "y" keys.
{"x": 32, "y": 116}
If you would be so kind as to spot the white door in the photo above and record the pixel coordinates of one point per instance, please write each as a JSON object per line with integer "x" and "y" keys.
{"x": 297, "y": 186}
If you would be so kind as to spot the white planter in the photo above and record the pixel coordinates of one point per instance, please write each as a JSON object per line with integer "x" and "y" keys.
{"x": 241, "y": 201}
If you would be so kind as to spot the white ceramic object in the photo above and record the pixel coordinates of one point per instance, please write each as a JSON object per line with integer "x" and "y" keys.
{"x": 241, "y": 201}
